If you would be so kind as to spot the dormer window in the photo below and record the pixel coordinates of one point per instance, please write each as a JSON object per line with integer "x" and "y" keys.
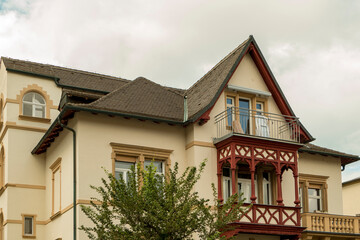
{"x": 34, "y": 105}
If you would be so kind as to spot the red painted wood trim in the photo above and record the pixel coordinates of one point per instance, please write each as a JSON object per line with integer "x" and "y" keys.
{"x": 270, "y": 83}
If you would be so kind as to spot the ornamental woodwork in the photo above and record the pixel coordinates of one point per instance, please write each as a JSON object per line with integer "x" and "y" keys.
{"x": 282, "y": 156}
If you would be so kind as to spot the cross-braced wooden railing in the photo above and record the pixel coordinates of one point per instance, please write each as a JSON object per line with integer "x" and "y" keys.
{"x": 270, "y": 214}
{"x": 321, "y": 222}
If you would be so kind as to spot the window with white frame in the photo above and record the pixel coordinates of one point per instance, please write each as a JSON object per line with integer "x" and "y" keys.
{"x": 315, "y": 199}
{"x": 267, "y": 192}
{"x": 158, "y": 165}
{"x": 227, "y": 183}
{"x": 313, "y": 193}
{"x": 33, "y": 105}
{"x": 123, "y": 169}
{"x": 244, "y": 186}
{"x": 230, "y": 104}
{"x": 28, "y": 226}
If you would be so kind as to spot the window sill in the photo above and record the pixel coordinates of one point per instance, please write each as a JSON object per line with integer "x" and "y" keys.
{"x": 34, "y": 119}
{"x": 55, "y": 215}
{"x": 29, "y": 236}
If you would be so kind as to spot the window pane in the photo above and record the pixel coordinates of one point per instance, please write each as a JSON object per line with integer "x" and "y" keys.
{"x": 39, "y": 99}
{"x": 28, "y": 97}
{"x": 157, "y": 164}
{"x": 123, "y": 165}
{"x": 27, "y": 109}
{"x": 314, "y": 192}
{"x": 28, "y": 226}
{"x": 314, "y": 205}
{"x": 39, "y": 111}
{"x": 244, "y": 114}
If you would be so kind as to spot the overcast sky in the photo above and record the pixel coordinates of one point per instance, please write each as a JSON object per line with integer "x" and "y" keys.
{"x": 312, "y": 47}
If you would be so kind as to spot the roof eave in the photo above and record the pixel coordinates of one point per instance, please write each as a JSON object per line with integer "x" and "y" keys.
{"x": 111, "y": 113}
{"x": 341, "y": 156}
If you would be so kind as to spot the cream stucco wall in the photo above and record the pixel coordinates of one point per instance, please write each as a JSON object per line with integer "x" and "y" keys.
{"x": 329, "y": 167}
{"x": 351, "y": 196}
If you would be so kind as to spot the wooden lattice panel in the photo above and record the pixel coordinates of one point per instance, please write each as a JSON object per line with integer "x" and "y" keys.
{"x": 225, "y": 152}
{"x": 287, "y": 156}
{"x": 242, "y": 151}
{"x": 265, "y": 154}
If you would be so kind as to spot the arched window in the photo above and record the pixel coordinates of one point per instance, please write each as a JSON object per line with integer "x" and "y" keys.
{"x": 34, "y": 105}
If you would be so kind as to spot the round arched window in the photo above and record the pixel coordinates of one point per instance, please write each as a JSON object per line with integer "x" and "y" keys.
{"x": 34, "y": 105}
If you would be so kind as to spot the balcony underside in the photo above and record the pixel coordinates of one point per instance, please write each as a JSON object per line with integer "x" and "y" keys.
{"x": 285, "y": 232}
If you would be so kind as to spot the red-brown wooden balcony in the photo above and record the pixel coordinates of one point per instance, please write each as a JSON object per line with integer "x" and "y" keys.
{"x": 269, "y": 219}
{"x": 249, "y": 156}
{"x": 242, "y": 121}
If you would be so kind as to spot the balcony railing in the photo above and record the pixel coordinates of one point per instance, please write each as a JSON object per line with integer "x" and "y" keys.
{"x": 321, "y": 222}
{"x": 243, "y": 121}
{"x": 271, "y": 214}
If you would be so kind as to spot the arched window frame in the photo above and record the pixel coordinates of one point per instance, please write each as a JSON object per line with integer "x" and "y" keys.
{"x": 37, "y": 89}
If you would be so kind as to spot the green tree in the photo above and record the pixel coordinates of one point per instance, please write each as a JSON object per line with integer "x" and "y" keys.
{"x": 150, "y": 207}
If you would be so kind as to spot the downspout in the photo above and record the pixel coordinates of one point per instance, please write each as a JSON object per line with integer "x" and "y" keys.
{"x": 343, "y": 167}
{"x": 74, "y": 173}
{"x": 185, "y": 109}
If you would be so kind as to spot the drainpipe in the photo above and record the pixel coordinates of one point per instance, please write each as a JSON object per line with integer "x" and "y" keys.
{"x": 74, "y": 173}
{"x": 185, "y": 109}
{"x": 343, "y": 167}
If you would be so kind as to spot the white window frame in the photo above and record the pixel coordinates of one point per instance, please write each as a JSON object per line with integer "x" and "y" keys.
{"x": 34, "y": 105}
{"x": 317, "y": 198}
{"x": 267, "y": 186}
{"x": 162, "y": 166}
{"x": 227, "y": 188}
{"x": 250, "y": 125}
{"x": 246, "y": 181}
{"x": 231, "y": 106}
{"x": 124, "y": 171}
{"x": 32, "y": 234}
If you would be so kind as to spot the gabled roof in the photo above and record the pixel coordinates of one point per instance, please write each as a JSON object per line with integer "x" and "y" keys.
{"x": 344, "y": 157}
{"x": 203, "y": 94}
{"x": 143, "y": 97}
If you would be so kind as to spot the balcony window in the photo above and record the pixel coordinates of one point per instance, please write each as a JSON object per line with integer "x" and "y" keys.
{"x": 264, "y": 183}
{"x": 315, "y": 200}
{"x": 227, "y": 183}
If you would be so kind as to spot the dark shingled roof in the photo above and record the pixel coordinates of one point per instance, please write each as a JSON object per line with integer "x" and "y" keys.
{"x": 67, "y": 76}
{"x": 203, "y": 92}
{"x": 143, "y": 97}
{"x": 345, "y": 158}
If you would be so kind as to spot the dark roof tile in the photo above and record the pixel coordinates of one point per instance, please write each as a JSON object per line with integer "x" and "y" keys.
{"x": 143, "y": 97}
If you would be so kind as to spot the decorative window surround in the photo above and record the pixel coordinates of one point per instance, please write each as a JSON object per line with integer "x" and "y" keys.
{"x": 308, "y": 181}
{"x": 37, "y": 89}
{"x": 28, "y": 233}
{"x": 56, "y": 175}
{"x": 138, "y": 154}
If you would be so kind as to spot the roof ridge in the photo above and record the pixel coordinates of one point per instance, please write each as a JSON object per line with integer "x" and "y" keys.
{"x": 129, "y": 83}
{"x": 109, "y": 94}
{"x": 69, "y": 69}
{"x": 221, "y": 61}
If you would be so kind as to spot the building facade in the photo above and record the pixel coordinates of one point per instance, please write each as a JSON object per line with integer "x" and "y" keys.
{"x": 60, "y": 127}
